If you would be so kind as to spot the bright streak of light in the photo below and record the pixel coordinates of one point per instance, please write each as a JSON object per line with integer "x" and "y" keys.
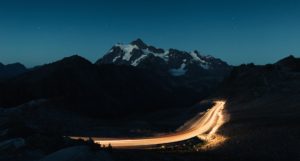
{"x": 207, "y": 124}
{"x": 212, "y": 139}
{"x": 214, "y": 142}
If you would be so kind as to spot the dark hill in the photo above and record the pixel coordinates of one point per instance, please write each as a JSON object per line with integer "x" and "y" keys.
{"x": 11, "y": 70}
{"x": 264, "y": 109}
{"x": 291, "y": 63}
{"x": 75, "y": 84}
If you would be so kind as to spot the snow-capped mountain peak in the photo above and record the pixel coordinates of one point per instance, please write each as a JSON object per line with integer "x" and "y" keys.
{"x": 139, "y": 54}
{"x": 127, "y": 49}
{"x": 139, "y": 43}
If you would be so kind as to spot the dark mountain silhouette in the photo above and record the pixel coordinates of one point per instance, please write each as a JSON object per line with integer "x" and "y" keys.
{"x": 256, "y": 81}
{"x": 262, "y": 102}
{"x": 11, "y": 70}
{"x": 291, "y": 63}
{"x": 101, "y": 90}
{"x": 130, "y": 79}
{"x": 263, "y": 107}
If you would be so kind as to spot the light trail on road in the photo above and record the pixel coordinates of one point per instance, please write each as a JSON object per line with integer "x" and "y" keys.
{"x": 201, "y": 124}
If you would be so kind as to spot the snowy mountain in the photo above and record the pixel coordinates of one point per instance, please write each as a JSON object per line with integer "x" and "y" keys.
{"x": 175, "y": 62}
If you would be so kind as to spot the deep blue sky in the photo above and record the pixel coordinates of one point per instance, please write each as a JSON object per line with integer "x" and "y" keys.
{"x": 237, "y": 31}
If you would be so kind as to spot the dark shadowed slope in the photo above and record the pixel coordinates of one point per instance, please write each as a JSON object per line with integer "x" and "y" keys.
{"x": 100, "y": 90}
{"x": 11, "y": 70}
{"x": 130, "y": 79}
{"x": 264, "y": 108}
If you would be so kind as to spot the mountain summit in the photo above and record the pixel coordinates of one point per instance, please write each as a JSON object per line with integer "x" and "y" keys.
{"x": 290, "y": 62}
{"x": 11, "y": 70}
{"x": 172, "y": 61}
{"x": 139, "y": 43}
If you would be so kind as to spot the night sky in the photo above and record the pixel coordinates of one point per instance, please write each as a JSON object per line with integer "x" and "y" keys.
{"x": 237, "y": 31}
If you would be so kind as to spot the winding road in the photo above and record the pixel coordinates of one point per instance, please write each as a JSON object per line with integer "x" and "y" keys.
{"x": 199, "y": 125}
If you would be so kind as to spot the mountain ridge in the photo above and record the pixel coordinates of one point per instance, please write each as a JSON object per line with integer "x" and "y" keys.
{"x": 106, "y": 90}
{"x": 175, "y": 62}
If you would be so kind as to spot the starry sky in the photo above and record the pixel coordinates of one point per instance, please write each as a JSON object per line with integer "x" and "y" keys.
{"x": 237, "y": 31}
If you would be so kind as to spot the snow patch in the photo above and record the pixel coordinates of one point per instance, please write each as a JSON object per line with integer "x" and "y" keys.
{"x": 180, "y": 71}
{"x": 208, "y": 57}
{"x": 205, "y": 66}
{"x": 127, "y": 50}
{"x": 196, "y": 57}
{"x": 164, "y": 55}
{"x": 138, "y": 60}
{"x": 117, "y": 57}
